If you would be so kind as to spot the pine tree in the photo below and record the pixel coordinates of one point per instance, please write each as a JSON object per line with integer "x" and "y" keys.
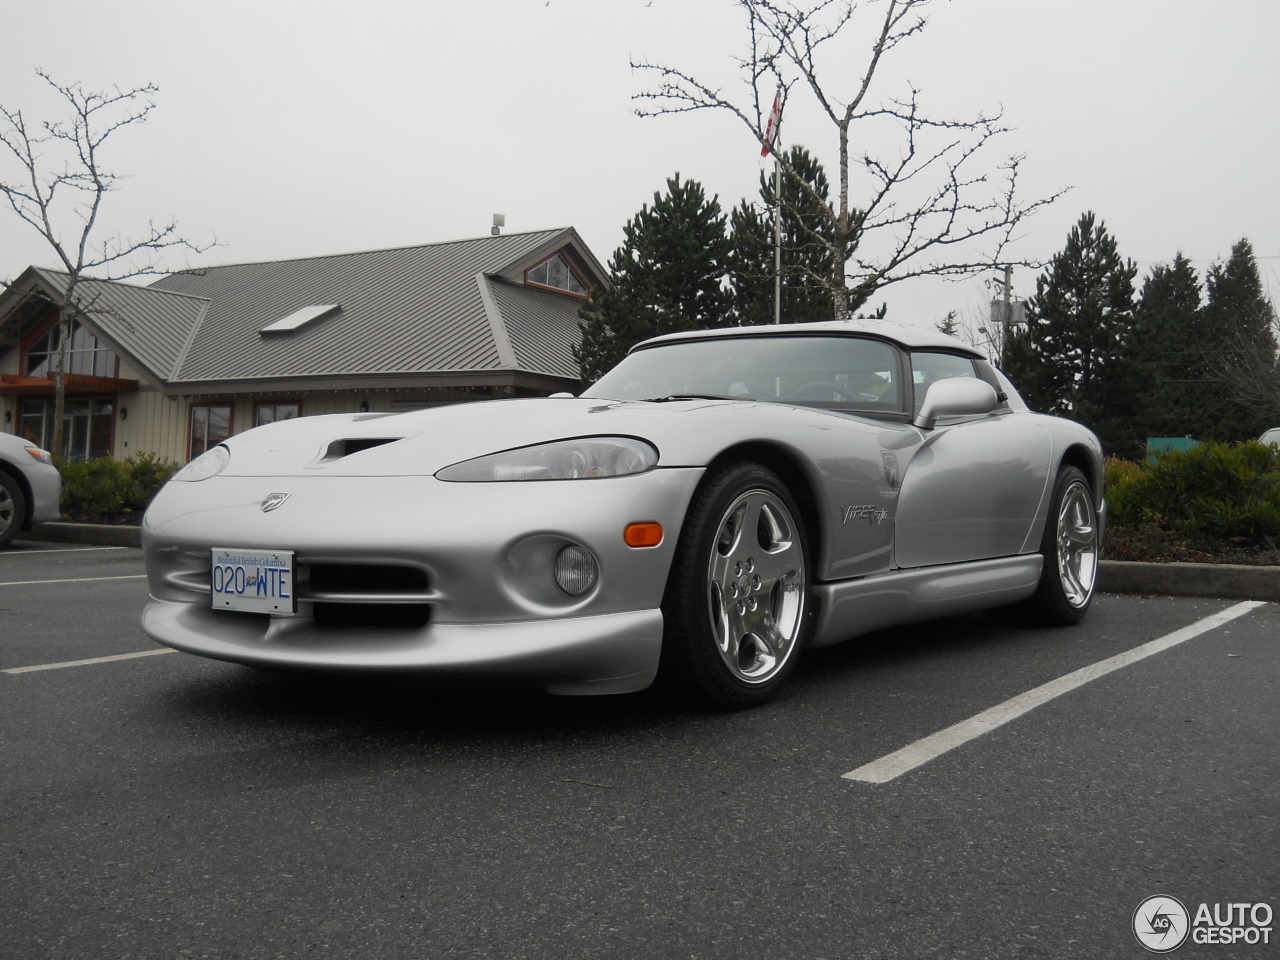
{"x": 950, "y": 324}
{"x": 1075, "y": 356}
{"x": 667, "y": 276}
{"x": 1239, "y": 345}
{"x": 1168, "y": 322}
{"x": 807, "y": 257}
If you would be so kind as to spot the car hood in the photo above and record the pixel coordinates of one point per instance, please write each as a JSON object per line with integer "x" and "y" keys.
{"x": 422, "y": 442}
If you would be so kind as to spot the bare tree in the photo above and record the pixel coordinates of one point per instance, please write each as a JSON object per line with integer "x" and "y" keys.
{"x": 59, "y": 191}
{"x": 1245, "y": 365}
{"x": 928, "y": 204}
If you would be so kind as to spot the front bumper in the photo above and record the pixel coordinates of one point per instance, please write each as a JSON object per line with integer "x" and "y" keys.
{"x": 611, "y": 653}
{"x": 46, "y": 492}
{"x": 475, "y": 599}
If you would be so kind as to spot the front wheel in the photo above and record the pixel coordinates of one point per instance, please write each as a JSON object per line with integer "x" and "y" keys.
{"x": 737, "y": 602}
{"x": 1070, "y": 549}
{"x": 13, "y": 509}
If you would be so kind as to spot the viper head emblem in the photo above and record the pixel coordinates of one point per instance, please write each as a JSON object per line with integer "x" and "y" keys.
{"x": 273, "y": 500}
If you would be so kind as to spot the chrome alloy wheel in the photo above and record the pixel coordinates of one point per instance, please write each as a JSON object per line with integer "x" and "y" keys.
{"x": 756, "y": 584}
{"x": 1077, "y": 544}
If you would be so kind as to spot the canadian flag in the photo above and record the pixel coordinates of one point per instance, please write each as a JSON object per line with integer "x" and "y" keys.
{"x": 771, "y": 128}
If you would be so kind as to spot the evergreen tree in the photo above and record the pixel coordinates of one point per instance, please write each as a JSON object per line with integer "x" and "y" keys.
{"x": 807, "y": 250}
{"x": 667, "y": 276}
{"x": 1168, "y": 326}
{"x": 1075, "y": 359}
{"x": 1239, "y": 350}
{"x": 1021, "y": 361}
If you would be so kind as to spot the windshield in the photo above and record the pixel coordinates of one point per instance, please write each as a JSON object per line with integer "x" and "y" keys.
{"x": 836, "y": 372}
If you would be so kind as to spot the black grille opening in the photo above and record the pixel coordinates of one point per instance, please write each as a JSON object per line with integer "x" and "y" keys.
{"x": 371, "y": 614}
{"x": 366, "y": 578}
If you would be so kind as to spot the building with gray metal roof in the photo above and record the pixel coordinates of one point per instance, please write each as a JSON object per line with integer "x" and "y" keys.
{"x": 170, "y": 367}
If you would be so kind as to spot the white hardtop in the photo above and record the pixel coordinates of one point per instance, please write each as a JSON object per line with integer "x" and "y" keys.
{"x": 912, "y": 336}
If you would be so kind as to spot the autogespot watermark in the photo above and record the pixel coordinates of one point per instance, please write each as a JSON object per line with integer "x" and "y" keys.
{"x": 1162, "y": 924}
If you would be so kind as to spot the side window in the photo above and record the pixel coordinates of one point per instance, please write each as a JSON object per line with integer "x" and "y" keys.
{"x": 927, "y": 368}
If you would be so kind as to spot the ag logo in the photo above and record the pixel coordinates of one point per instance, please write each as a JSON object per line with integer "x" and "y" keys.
{"x": 1161, "y": 924}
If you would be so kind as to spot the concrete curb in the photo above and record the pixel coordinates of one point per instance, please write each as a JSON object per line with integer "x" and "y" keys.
{"x": 1224, "y": 580}
{"x": 98, "y": 534}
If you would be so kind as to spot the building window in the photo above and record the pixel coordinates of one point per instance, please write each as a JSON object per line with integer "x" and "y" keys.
{"x": 556, "y": 274}
{"x": 210, "y": 425}
{"x": 264, "y": 413}
{"x": 86, "y": 354}
{"x": 87, "y": 425}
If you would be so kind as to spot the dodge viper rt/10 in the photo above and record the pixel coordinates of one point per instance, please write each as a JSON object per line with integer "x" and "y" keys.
{"x": 713, "y": 505}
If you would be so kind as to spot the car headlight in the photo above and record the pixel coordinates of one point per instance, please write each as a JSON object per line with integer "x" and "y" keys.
{"x": 587, "y": 458}
{"x": 43, "y": 456}
{"x": 209, "y": 464}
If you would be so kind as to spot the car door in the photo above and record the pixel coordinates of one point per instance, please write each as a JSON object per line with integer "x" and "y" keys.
{"x": 973, "y": 488}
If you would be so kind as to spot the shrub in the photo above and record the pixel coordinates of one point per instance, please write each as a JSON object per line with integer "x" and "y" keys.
{"x": 1119, "y": 479}
{"x": 107, "y": 488}
{"x": 1215, "y": 490}
{"x": 148, "y": 473}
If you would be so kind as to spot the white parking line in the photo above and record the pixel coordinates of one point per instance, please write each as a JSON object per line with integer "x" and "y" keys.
{"x": 27, "y": 583}
{"x": 25, "y": 550}
{"x": 916, "y": 754}
{"x": 85, "y": 663}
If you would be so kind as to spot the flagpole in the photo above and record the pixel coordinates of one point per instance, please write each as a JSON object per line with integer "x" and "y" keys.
{"x": 777, "y": 239}
{"x": 770, "y": 145}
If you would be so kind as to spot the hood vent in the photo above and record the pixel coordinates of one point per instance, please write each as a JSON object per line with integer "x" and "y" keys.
{"x": 345, "y": 448}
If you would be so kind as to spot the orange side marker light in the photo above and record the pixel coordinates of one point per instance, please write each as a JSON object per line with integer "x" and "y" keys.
{"x": 646, "y": 534}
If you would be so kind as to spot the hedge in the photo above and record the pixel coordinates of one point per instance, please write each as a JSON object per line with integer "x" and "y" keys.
{"x": 1214, "y": 491}
{"x": 111, "y": 489}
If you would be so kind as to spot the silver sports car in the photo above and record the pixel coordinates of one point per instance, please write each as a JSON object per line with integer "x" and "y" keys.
{"x": 714, "y": 504}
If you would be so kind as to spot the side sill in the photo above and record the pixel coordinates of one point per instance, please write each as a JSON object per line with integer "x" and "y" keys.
{"x": 850, "y": 608}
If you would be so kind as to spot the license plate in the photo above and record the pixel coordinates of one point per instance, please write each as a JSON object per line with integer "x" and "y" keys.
{"x": 253, "y": 581}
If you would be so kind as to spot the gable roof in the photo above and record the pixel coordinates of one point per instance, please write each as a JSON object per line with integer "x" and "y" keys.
{"x": 151, "y": 326}
{"x": 448, "y": 308}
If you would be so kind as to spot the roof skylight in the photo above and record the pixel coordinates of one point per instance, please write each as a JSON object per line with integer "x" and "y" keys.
{"x": 300, "y": 318}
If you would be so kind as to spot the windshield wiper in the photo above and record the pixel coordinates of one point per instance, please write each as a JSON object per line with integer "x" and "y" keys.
{"x": 692, "y": 396}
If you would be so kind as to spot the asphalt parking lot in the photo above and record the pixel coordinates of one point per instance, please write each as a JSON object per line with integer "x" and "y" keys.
{"x": 968, "y": 788}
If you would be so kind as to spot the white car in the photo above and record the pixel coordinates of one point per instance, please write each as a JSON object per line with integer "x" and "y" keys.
{"x": 30, "y": 487}
{"x": 1272, "y": 437}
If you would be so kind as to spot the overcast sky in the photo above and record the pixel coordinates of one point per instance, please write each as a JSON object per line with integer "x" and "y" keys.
{"x": 290, "y": 129}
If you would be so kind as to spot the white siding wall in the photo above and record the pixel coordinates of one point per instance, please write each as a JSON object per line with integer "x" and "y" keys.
{"x": 148, "y": 422}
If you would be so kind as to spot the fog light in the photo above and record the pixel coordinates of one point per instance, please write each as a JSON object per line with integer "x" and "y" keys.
{"x": 576, "y": 570}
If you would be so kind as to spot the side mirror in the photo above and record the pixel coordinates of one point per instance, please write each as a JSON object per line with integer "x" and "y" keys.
{"x": 955, "y": 397}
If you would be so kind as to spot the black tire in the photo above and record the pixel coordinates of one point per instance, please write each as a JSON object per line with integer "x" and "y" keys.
{"x": 13, "y": 509}
{"x": 1070, "y": 547}
{"x": 737, "y": 604}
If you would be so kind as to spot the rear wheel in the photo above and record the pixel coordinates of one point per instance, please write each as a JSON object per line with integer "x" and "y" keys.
{"x": 13, "y": 509}
{"x": 1070, "y": 549}
{"x": 737, "y": 602}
